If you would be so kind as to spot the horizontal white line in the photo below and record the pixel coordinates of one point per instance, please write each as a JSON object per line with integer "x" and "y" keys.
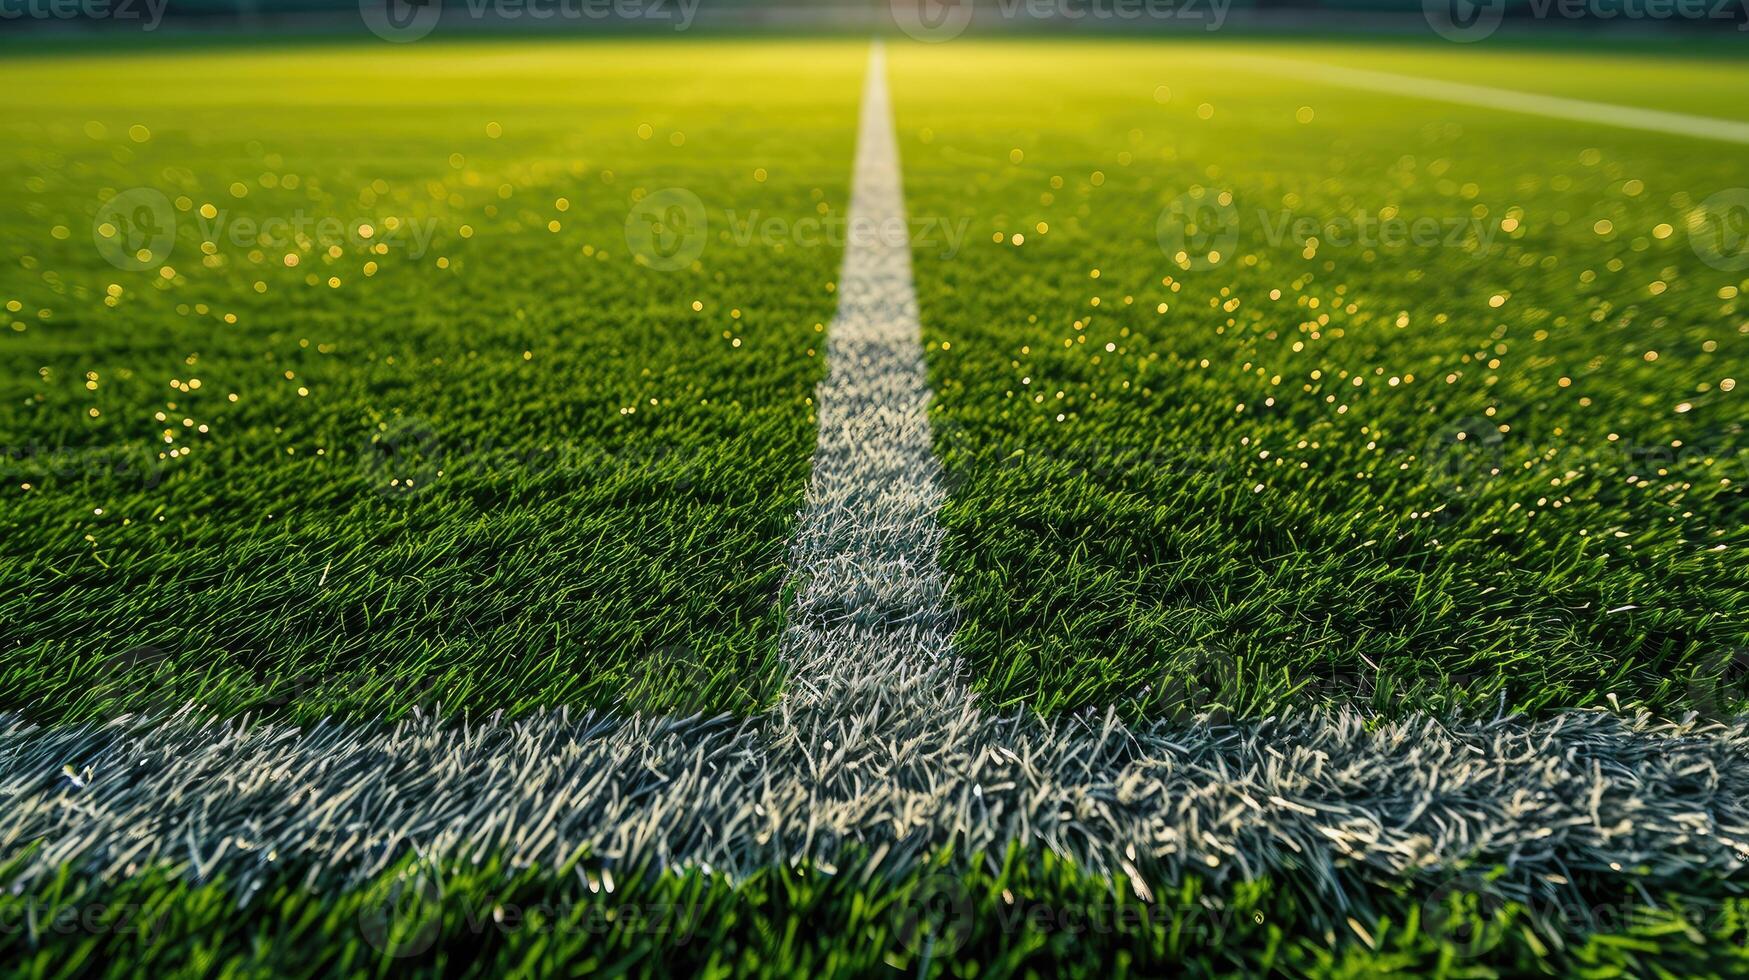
{"x": 1487, "y": 97}
{"x": 1331, "y": 801}
{"x": 878, "y": 744}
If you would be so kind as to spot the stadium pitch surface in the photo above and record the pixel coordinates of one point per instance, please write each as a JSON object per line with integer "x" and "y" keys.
{"x": 1330, "y": 566}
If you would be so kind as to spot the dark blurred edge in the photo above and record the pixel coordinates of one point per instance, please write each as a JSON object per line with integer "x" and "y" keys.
{"x": 1606, "y": 20}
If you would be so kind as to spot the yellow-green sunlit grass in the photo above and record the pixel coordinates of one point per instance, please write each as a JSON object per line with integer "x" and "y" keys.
{"x": 1453, "y": 415}
{"x": 399, "y": 418}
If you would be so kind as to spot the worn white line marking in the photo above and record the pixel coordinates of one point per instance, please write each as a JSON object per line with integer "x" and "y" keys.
{"x": 1487, "y": 97}
{"x": 1332, "y": 803}
{"x": 871, "y": 630}
{"x": 877, "y": 742}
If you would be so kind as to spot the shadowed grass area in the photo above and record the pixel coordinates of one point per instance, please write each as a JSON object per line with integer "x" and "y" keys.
{"x": 394, "y": 415}
{"x": 1022, "y": 915}
{"x": 1706, "y": 76}
{"x": 1256, "y": 392}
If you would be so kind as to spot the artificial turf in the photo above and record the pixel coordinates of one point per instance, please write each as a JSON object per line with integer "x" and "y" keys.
{"x": 1497, "y": 466}
{"x": 603, "y": 477}
{"x": 486, "y": 458}
{"x": 1015, "y": 915}
{"x": 1694, "y": 75}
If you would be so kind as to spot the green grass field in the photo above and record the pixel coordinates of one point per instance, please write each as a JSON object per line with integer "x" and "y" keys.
{"x": 1022, "y": 917}
{"x": 1256, "y": 462}
{"x": 479, "y": 376}
{"x": 488, "y": 462}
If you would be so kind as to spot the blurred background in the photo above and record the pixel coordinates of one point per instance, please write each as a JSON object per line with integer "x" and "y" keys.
{"x": 1455, "y": 20}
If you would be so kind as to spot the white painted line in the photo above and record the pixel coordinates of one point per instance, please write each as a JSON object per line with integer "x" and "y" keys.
{"x": 1331, "y": 802}
{"x": 1487, "y": 97}
{"x": 871, "y": 630}
{"x": 877, "y": 743}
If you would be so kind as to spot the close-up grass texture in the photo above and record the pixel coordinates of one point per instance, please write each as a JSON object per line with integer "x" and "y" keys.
{"x": 397, "y": 418}
{"x": 1426, "y": 415}
{"x": 813, "y": 489}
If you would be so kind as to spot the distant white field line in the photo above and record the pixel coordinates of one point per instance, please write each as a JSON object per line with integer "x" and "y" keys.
{"x": 878, "y": 744}
{"x": 1509, "y": 100}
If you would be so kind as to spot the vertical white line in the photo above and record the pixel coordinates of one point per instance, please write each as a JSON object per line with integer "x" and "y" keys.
{"x": 871, "y": 627}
